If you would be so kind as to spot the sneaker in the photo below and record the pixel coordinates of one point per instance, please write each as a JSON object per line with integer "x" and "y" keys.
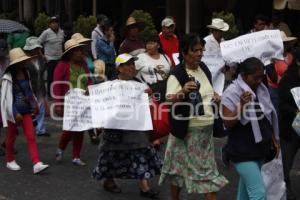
{"x": 78, "y": 162}
{"x": 46, "y": 134}
{"x": 59, "y": 155}
{"x": 13, "y": 166}
{"x": 39, "y": 167}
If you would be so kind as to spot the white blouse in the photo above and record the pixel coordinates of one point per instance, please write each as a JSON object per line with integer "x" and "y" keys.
{"x": 152, "y": 70}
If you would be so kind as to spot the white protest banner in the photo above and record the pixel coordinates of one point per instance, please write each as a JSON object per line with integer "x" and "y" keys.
{"x": 77, "y": 111}
{"x": 215, "y": 64}
{"x": 120, "y": 105}
{"x": 263, "y": 45}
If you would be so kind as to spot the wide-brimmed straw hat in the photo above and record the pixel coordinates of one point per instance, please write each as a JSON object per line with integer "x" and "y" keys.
{"x": 218, "y": 24}
{"x": 32, "y": 43}
{"x": 131, "y": 22}
{"x": 17, "y": 55}
{"x": 80, "y": 38}
{"x": 71, "y": 44}
{"x": 285, "y": 38}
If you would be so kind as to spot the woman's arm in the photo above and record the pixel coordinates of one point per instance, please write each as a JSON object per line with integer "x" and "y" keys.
{"x": 180, "y": 95}
{"x": 231, "y": 117}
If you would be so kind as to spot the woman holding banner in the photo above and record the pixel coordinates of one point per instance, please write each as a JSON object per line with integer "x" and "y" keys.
{"x": 127, "y": 154}
{"x": 70, "y": 72}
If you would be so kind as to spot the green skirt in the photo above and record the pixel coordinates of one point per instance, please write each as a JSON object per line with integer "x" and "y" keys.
{"x": 190, "y": 163}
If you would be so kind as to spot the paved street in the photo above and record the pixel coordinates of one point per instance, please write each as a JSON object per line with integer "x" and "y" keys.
{"x": 67, "y": 182}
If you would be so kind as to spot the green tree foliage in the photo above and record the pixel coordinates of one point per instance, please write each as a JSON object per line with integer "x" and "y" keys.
{"x": 41, "y": 23}
{"x": 9, "y": 15}
{"x": 85, "y": 25}
{"x": 230, "y": 19}
{"x": 146, "y": 19}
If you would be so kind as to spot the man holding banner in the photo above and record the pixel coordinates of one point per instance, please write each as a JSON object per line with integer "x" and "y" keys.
{"x": 212, "y": 56}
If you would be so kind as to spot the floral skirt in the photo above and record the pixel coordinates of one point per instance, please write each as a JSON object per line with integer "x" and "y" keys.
{"x": 128, "y": 164}
{"x": 190, "y": 163}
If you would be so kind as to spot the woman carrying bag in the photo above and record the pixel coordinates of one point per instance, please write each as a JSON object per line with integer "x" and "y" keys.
{"x": 70, "y": 72}
{"x": 18, "y": 105}
{"x": 153, "y": 68}
{"x": 189, "y": 158}
{"x": 252, "y": 136}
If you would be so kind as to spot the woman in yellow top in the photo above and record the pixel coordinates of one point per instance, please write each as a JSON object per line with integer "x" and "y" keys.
{"x": 189, "y": 157}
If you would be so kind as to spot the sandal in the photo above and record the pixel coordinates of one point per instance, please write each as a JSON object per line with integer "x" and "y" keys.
{"x": 110, "y": 186}
{"x": 149, "y": 194}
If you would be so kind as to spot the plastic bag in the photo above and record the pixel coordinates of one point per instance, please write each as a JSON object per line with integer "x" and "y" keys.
{"x": 272, "y": 173}
{"x": 296, "y": 124}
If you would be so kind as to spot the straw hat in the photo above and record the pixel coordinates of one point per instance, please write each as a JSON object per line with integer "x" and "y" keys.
{"x": 218, "y": 24}
{"x": 279, "y": 4}
{"x": 17, "y": 55}
{"x": 131, "y": 22}
{"x": 79, "y": 38}
{"x": 99, "y": 68}
{"x": 32, "y": 43}
{"x": 71, "y": 44}
{"x": 286, "y": 38}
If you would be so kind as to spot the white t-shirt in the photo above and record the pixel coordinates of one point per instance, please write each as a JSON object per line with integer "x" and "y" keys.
{"x": 152, "y": 70}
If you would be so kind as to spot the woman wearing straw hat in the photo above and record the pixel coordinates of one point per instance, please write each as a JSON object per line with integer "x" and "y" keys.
{"x": 69, "y": 70}
{"x": 36, "y": 69}
{"x": 88, "y": 57}
{"x": 132, "y": 43}
{"x": 18, "y": 103}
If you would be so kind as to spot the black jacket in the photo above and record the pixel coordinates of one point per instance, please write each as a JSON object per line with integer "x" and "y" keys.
{"x": 287, "y": 106}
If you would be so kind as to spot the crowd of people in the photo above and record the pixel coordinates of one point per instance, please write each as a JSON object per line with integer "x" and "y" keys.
{"x": 40, "y": 70}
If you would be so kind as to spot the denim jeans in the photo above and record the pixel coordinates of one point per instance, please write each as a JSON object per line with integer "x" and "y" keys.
{"x": 40, "y": 118}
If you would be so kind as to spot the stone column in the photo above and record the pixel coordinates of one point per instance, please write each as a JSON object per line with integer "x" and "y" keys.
{"x": 20, "y": 7}
{"x": 28, "y": 10}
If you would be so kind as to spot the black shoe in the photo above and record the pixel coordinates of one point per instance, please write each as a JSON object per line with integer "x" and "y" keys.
{"x": 111, "y": 187}
{"x": 149, "y": 194}
{"x": 46, "y": 134}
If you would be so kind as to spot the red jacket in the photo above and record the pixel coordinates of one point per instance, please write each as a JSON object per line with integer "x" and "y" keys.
{"x": 61, "y": 80}
{"x": 169, "y": 46}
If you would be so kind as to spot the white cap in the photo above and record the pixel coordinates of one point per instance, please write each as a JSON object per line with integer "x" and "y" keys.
{"x": 124, "y": 58}
{"x": 167, "y": 22}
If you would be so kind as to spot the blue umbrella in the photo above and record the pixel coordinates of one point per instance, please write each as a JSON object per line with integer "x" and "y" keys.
{"x": 9, "y": 26}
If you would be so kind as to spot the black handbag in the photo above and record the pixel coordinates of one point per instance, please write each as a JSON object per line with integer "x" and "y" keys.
{"x": 218, "y": 128}
{"x": 159, "y": 90}
{"x": 114, "y": 136}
